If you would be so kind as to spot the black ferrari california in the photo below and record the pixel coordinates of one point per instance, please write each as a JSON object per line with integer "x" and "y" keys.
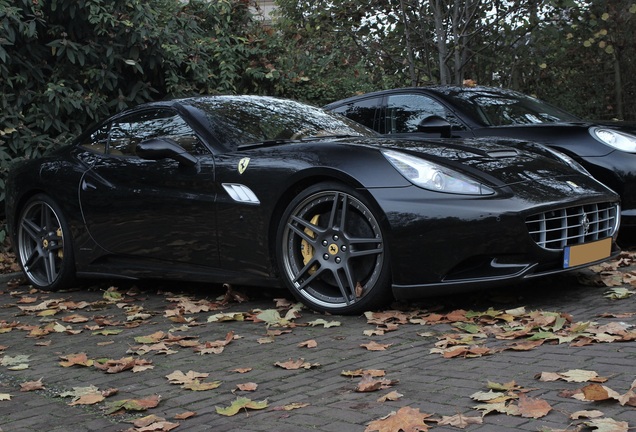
{"x": 261, "y": 191}
{"x": 607, "y": 150}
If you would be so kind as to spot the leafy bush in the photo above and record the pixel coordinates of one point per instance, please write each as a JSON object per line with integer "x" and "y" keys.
{"x": 67, "y": 63}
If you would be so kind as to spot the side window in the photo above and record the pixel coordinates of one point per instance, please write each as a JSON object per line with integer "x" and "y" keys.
{"x": 404, "y": 112}
{"x": 97, "y": 140}
{"x": 363, "y": 112}
{"x": 127, "y": 132}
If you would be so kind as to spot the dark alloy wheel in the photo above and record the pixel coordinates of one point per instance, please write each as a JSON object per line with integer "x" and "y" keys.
{"x": 332, "y": 251}
{"x": 44, "y": 245}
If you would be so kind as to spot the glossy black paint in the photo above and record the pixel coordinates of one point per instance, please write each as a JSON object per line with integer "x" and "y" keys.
{"x": 166, "y": 213}
{"x": 614, "y": 168}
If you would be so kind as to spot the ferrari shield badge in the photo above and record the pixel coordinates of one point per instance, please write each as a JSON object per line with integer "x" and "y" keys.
{"x": 242, "y": 165}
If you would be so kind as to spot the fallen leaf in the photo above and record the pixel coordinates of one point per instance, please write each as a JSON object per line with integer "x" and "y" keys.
{"x": 459, "y": 421}
{"x": 32, "y": 385}
{"x": 291, "y": 406}
{"x": 250, "y": 386}
{"x": 608, "y": 425}
{"x": 241, "y": 403}
{"x": 574, "y": 375}
{"x": 586, "y": 414}
{"x": 374, "y": 346}
{"x": 132, "y": 404}
{"x": 533, "y": 407}
{"x": 308, "y": 344}
{"x": 361, "y": 372}
{"x": 296, "y": 364}
{"x": 324, "y": 323}
{"x": 370, "y": 384}
{"x": 392, "y": 396}
{"x": 406, "y": 419}
{"x": 597, "y": 392}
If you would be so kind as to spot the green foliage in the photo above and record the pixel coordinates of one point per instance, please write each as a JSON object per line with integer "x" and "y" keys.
{"x": 311, "y": 54}
{"x": 67, "y": 63}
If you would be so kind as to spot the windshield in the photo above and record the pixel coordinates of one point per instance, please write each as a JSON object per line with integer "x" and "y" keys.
{"x": 503, "y": 108}
{"x": 247, "y": 120}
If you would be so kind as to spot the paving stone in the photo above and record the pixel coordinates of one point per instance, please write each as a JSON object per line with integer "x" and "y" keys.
{"x": 435, "y": 385}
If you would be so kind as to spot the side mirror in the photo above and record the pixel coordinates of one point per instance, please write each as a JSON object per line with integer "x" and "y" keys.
{"x": 164, "y": 148}
{"x": 435, "y": 124}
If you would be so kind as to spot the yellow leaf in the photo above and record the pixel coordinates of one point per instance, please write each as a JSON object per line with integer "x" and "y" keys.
{"x": 240, "y": 404}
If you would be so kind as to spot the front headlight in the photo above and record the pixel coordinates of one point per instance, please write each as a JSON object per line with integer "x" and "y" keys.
{"x": 432, "y": 176}
{"x": 619, "y": 140}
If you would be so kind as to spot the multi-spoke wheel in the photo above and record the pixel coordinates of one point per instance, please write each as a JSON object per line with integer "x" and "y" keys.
{"x": 44, "y": 245}
{"x": 332, "y": 252}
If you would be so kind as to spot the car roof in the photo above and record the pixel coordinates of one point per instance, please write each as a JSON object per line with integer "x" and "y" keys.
{"x": 440, "y": 90}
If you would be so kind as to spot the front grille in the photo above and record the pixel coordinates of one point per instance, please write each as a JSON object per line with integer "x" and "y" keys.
{"x": 556, "y": 229}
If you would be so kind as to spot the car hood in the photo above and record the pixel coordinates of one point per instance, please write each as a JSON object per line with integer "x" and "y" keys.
{"x": 491, "y": 160}
{"x": 628, "y": 127}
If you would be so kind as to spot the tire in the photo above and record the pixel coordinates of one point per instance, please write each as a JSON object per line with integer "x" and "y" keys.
{"x": 44, "y": 245}
{"x": 331, "y": 251}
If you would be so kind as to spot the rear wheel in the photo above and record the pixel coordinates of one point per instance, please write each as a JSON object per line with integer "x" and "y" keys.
{"x": 44, "y": 245}
{"x": 331, "y": 250}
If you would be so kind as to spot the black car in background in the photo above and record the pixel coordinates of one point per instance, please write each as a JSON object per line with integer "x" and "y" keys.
{"x": 606, "y": 150}
{"x": 266, "y": 192}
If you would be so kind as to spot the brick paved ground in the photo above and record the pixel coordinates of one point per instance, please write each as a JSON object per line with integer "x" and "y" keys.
{"x": 429, "y": 382}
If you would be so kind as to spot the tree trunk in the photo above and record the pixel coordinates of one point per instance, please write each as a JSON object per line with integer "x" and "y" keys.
{"x": 440, "y": 35}
{"x": 409, "y": 48}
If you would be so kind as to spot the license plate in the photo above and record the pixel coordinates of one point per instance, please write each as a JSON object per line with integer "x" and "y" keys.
{"x": 586, "y": 253}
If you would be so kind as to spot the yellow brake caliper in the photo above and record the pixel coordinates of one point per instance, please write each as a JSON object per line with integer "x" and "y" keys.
{"x": 306, "y": 249}
{"x": 60, "y": 252}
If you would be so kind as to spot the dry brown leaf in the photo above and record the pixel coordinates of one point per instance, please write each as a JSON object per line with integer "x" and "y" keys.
{"x": 526, "y": 345}
{"x": 574, "y": 375}
{"x": 296, "y": 364}
{"x": 532, "y": 407}
{"x": 459, "y": 421}
{"x": 308, "y": 344}
{"x": 608, "y": 425}
{"x": 465, "y": 351}
{"x": 80, "y": 359}
{"x": 586, "y": 414}
{"x": 361, "y": 372}
{"x": 32, "y": 385}
{"x": 123, "y": 364}
{"x": 88, "y": 399}
{"x": 291, "y": 406}
{"x": 392, "y": 396}
{"x": 597, "y": 392}
{"x": 75, "y": 319}
{"x": 370, "y": 384}
{"x": 374, "y": 346}
{"x": 178, "y": 377}
{"x": 197, "y": 385}
{"x": 407, "y": 419}
{"x": 250, "y": 386}
{"x": 185, "y": 415}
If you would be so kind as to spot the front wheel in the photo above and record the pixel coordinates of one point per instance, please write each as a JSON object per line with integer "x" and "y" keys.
{"x": 44, "y": 244}
{"x": 331, "y": 251}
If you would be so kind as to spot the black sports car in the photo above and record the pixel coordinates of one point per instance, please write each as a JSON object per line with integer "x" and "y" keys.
{"x": 254, "y": 190}
{"x": 607, "y": 151}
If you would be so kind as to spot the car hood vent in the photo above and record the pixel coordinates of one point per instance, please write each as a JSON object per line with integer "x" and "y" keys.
{"x": 499, "y": 154}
